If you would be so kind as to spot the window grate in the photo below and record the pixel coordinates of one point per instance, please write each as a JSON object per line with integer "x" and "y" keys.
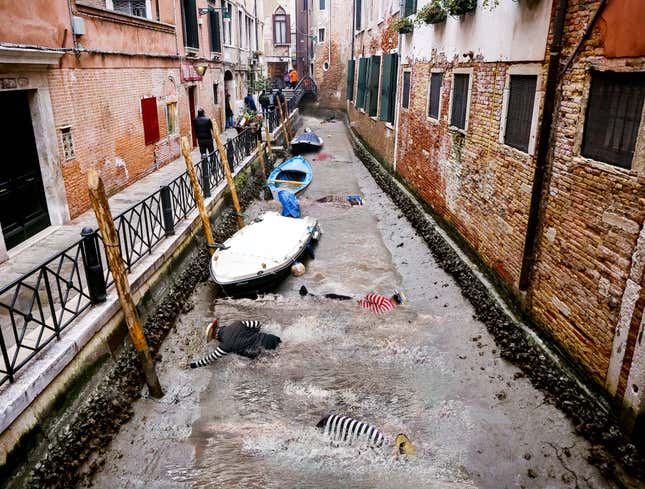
{"x": 459, "y": 101}
{"x": 614, "y": 117}
{"x": 68, "y": 143}
{"x": 132, "y": 7}
{"x": 519, "y": 114}
{"x": 406, "y": 90}
{"x": 435, "y": 91}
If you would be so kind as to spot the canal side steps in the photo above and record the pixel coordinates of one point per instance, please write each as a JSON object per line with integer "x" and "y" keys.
{"x": 100, "y": 330}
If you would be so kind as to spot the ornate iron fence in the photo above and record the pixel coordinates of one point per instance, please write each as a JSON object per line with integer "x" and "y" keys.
{"x": 35, "y": 308}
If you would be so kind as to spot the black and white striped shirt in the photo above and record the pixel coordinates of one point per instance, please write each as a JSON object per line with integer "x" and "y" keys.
{"x": 252, "y": 324}
{"x": 349, "y": 430}
{"x": 210, "y": 358}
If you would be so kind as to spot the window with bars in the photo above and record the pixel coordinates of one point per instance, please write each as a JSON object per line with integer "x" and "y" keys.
{"x": 215, "y": 93}
{"x": 405, "y": 99}
{"x": 519, "y": 112}
{"x": 388, "y": 87}
{"x": 373, "y": 85}
{"x": 434, "y": 97}
{"x": 613, "y": 117}
{"x": 281, "y": 27}
{"x": 351, "y": 67}
{"x": 131, "y": 7}
{"x": 189, "y": 20}
{"x": 459, "y": 109}
{"x": 321, "y": 35}
{"x": 362, "y": 83}
{"x": 409, "y": 8}
{"x": 68, "y": 143}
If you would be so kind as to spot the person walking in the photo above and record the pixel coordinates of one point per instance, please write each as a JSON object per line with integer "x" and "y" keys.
{"x": 265, "y": 102}
{"x": 204, "y": 132}
{"x": 280, "y": 96}
{"x": 250, "y": 103}
{"x": 286, "y": 80}
{"x": 293, "y": 77}
{"x": 230, "y": 115}
{"x": 243, "y": 338}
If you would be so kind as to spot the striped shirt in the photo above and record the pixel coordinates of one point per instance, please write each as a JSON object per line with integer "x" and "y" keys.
{"x": 349, "y": 430}
{"x": 252, "y": 324}
{"x": 210, "y": 358}
{"x": 377, "y": 303}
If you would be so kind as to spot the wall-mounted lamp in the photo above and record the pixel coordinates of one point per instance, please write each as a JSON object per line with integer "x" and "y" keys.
{"x": 225, "y": 15}
{"x": 201, "y": 69}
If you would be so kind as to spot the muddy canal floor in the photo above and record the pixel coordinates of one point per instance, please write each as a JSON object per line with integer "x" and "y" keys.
{"x": 428, "y": 369}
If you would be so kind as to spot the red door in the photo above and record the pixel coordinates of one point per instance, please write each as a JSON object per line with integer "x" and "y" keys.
{"x": 191, "y": 105}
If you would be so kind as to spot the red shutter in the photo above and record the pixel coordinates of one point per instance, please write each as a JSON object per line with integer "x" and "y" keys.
{"x": 273, "y": 26}
{"x": 150, "y": 119}
{"x": 288, "y": 29}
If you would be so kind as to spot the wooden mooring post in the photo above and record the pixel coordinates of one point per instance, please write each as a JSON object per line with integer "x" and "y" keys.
{"x": 268, "y": 136}
{"x": 261, "y": 156}
{"x": 199, "y": 198}
{"x": 99, "y": 201}
{"x": 284, "y": 126}
{"x": 229, "y": 176}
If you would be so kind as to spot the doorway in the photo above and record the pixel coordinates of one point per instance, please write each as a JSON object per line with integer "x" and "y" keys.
{"x": 191, "y": 106}
{"x": 23, "y": 206}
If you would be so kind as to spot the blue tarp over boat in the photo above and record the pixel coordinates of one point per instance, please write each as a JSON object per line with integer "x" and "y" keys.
{"x": 293, "y": 175}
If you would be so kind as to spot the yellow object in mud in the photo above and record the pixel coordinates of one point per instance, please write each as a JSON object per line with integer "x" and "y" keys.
{"x": 404, "y": 445}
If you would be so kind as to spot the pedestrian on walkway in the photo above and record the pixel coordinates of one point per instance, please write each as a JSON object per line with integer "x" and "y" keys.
{"x": 230, "y": 115}
{"x": 204, "y": 132}
{"x": 243, "y": 338}
{"x": 293, "y": 77}
{"x": 265, "y": 102}
{"x": 286, "y": 80}
{"x": 250, "y": 103}
{"x": 372, "y": 302}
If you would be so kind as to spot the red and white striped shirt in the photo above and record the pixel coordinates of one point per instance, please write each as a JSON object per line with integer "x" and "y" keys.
{"x": 377, "y": 303}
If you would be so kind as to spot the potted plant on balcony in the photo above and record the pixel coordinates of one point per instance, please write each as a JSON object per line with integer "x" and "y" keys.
{"x": 460, "y": 7}
{"x": 402, "y": 26}
{"x": 432, "y": 13}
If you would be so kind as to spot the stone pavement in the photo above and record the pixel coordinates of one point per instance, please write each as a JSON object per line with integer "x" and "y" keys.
{"x": 36, "y": 251}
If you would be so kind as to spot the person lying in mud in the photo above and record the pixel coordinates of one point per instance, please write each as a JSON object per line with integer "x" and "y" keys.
{"x": 373, "y": 302}
{"x": 243, "y": 338}
{"x": 350, "y": 431}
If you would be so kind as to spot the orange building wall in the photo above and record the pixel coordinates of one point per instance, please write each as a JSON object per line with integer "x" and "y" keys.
{"x": 623, "y": 28}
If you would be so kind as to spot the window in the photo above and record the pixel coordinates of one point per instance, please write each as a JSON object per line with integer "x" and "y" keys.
{"x": 215, "y": 93}
{"x": 409, "y": 8}
{"x": 357, "y": 14}
{"x": 351, "y": 67}
{"x": 150, "y": 120}
{"x": 281, "y": 27}
{"x": 171, "y": 118}
{"x": 215, "y": 38}
{"x": 240, "y": 38}
{"x": 388, "y": 87}
{"x": 362, "y": 79}
{"x": 459, "y": 108}
{"x": 321, "y": 5}
{"x": 321, "y": 35}
{"x": 519, "y": 114}
{"x": 406, "y": 90}
{"x": 189, "y": 18}
{"x": 434, "y": 97}
{"x": 613, "y": 117}
{"x": 131, "y": 7}
{"x": 372, "y": 87}
{"x": 68, "y": 142}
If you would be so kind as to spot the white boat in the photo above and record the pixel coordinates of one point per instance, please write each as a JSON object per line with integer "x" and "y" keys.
{"x": 260, "y": 254}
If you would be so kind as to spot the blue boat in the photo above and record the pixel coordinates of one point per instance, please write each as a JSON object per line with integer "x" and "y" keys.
{"x": 294, "y": 175}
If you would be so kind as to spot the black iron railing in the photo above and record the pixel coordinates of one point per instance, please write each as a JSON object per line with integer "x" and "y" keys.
{"x": 39, "y": 305}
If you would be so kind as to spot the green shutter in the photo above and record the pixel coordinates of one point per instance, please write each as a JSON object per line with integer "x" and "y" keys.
{"x": 410, "y": 7}
{"x": 357, "y": 11}
{"x": 375, "y": 72}
{"x": 362, "y": 72}
{"x": 351, "y": 64}
{"x": 216, "y": 43}
{"x": 388, "y": 87}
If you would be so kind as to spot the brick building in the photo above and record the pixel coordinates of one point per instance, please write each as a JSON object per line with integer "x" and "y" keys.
{"x": 109, "y": 84}
{"x": 556, "y": 215}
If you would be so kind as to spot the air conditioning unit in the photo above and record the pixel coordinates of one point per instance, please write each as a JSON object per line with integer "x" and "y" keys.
{"x": 78, "y": 25}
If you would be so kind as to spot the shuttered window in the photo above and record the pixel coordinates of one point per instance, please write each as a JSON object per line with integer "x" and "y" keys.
{"x": 372, "y": 86}
{"x": 614, "y": 117}
{"x": 434, "y": 97}
{"x": 351, "y": 66}
{"x": 406, "y": 90}
{"x": 357, "y": 12}
{"x": 410, "y": 7}
{"x": 216, "y": 39}
{"x": 362, "y": 79}
{"x": 459, "y": 100}
{"x": 150, "y": 120}
{"x": 189, "y": 18}
{"x": 281, "y": 27}
{"x": 519, "y": 114}
{"x": 388, "y": 87}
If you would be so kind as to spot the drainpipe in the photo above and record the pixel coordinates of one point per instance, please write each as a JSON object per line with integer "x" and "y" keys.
{"x": 329, "y": 35}
{"x": 399, "y": 76}
{"x": 353, "y": 25}
{"x": 544, "y": 148}
{"x": 71, "y": 27}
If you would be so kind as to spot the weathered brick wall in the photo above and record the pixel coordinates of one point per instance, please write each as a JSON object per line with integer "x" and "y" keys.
{"x": 332, "y": 84}
{"x": 103, "y": 106}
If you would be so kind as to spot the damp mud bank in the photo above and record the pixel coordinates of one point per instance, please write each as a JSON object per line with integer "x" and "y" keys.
{"x": 66, "y": 445}
{"x": 431, "y": 369}
{"x": 542, "y": 362}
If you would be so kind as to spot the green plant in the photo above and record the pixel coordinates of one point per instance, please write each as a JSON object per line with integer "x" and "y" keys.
{"x": 432, "y": 13}
{"x": 260, "y": 83}
{"x": 403, "y": 26}
{"x": 460, "y": 7}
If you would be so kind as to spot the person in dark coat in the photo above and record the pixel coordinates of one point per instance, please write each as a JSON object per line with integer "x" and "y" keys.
{"x": 265, "y": 101}
{"x": 280, "y": 96}
{"x": 243, "y": 338}
{"x": 204, "y": 132}
{"x": 230, "y": 115}
{"x": 250, "y": 103}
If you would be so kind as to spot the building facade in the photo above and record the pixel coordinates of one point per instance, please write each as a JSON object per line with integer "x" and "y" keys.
{"x": 111, "y": 85}
{"x": 536, "y": 160}
{"x": 279, "y": 39}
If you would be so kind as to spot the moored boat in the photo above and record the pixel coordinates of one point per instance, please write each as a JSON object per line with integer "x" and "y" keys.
{"x": 306, "y": 142}
{"x": 294, "y": 175}
{"x": 260, "y": 255}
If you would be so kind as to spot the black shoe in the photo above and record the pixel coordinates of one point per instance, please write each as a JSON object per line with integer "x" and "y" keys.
{"x": 303, "y": 291}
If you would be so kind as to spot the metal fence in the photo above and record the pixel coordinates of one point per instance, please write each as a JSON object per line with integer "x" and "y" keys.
{"x": 38, "y": 306}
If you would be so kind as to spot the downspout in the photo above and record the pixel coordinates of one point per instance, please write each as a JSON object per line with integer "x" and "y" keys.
{"x": 544, "y": 147}
{"x": 399, "y": 71}
{"x": 353, "y": 25}
{"x": 71, "y": 26}
{"x": 329, "y": 35}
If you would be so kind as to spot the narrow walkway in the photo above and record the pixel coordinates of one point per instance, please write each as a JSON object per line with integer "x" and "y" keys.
{"x": 56, "y": 238}
{"x": 428, "y": 369}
